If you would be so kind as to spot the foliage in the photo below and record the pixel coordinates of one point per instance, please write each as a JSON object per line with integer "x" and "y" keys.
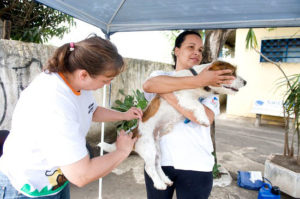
{"x": 291, "y": 102}
{"x": 34, "y": 22}
{"x": 291, "y": 106}
{"x": 251, "y": 41}
{"x": 136, "y": 100}
{"x": 292, "y": 96}
{"x": 171, "y": 36}
{"x": 216, "y": 172}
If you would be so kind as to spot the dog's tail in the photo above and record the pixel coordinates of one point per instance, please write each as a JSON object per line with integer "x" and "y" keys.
{"x": 108, "y": 147}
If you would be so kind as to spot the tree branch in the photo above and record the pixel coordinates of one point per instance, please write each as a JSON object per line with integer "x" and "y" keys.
{"x": 276, "y": 64}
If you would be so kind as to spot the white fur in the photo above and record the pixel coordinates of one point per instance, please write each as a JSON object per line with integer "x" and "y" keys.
{"x": 147, "y": 146}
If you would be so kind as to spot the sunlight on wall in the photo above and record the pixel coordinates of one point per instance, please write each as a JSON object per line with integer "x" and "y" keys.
{"x": 262, "y": 78}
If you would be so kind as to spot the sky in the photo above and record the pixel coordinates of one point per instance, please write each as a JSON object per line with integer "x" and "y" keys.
{"x": 147, "y": 45}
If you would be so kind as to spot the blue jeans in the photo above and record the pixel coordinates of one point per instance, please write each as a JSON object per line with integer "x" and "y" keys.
{"x": 188, "y": 184}
{"x": 7, "y": 191}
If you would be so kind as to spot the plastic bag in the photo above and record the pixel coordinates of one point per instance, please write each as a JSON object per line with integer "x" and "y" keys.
{"x": 250, "y": 180}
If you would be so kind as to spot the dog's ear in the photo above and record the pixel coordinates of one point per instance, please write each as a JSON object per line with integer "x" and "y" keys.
{"x": 222, "y": 65}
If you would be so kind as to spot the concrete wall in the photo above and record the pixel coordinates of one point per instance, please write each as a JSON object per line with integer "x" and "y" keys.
{"x": 261, "y": 77}
{"x": 20, "y": 62}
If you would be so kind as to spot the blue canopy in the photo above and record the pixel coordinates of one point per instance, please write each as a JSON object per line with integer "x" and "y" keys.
{"x": 139, "y": 15}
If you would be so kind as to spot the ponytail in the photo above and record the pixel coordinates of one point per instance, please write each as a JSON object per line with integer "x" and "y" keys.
{"x": 94, "y": 54}
{"x": 59, "y": 60}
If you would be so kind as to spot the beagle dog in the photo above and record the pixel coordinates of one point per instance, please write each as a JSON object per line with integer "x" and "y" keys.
{"x": 159, "y": 118}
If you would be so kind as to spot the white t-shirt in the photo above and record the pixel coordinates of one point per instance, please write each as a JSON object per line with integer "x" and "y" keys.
{"x": 188, "y": 146}
{"x": 49, "y": 126}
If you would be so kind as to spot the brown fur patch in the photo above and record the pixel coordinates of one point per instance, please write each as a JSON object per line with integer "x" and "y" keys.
{"x": 148, "y": 113}
{"x": 151, "y": 109}
{"x": 135, "y": 133}
{"x": 221, "y": 65}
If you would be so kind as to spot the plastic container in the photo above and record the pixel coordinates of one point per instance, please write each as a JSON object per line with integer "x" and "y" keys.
{"x": 268, "y": 192}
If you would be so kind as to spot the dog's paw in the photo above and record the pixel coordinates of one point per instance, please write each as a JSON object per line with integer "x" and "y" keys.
{"x": 107, "y": 147}
{"x": 160, "y": 186}
{"x": 204, "y": 122}
{"x": 167, "y": 181}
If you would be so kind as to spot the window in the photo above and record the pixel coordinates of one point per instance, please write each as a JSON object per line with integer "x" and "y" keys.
{"x": 281, "y": 50}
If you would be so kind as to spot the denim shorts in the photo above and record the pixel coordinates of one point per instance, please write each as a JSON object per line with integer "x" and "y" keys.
{"x": 7, "y": 191}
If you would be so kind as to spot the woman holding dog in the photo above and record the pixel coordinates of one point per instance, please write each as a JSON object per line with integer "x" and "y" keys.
{"x": 186, "y": 152}
{"x": 46, "y": 148}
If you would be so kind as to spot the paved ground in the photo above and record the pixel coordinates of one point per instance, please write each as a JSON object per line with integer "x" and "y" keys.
{"x": 240, "y": 146}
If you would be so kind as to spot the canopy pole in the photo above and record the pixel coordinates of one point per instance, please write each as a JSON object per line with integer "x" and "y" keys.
{"x": 107, "y": 36}
{"x": 102, "y": 138}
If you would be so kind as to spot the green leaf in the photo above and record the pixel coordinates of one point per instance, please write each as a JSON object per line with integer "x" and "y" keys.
{"x": 121, "y": 91}
{"x": 216, "y": 172}
{"x": 124, "y": 107}
{"x": 135, "y": 100}
{"x": 118, "y": 102}
{"x": 119, "y": 109}
{"x": 142, "y": 104}
{"x": 129, "y": 101}
{"x": 251, "y": 41}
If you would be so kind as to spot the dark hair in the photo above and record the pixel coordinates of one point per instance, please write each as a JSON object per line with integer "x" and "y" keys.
{"x": 94, "y": 54}
{"x": 179, "y": 40}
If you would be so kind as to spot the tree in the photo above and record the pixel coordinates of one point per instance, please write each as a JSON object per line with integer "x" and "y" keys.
{"x": 214, "y": 42}
{"x": 29, "y": 21}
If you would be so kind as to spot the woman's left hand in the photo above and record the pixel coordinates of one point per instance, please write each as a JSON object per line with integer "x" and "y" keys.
{"x": 133, "y": 113}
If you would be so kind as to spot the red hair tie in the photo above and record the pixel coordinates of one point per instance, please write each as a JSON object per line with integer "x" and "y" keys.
{"x": 72, "y": 46}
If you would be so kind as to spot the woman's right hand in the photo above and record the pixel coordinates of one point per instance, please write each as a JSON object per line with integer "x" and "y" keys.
{"x": 214, "y": 78}
{"x": 125, "y": 142}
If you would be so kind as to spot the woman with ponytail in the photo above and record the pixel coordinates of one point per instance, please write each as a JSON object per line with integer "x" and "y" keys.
{"x": 46, "y": 147}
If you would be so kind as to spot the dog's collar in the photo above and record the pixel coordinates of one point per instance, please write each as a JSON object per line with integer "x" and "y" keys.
{"x": 193, "y": 71}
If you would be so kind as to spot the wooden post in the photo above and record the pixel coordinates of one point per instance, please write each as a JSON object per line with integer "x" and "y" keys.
{"x": 258, "y": 120}
{"x": 1, "y": 28}
{"x": 213, "y": 137}
{"x": 6, "y": 29}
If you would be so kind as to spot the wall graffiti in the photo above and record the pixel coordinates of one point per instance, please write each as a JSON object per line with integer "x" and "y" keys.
{"x": 21, "y": 84}
{"x": 22, "y": 81}
{"x": 2, "y": 90}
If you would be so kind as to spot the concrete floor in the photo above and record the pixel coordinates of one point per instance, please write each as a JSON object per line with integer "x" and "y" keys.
{"x": 240, "y": 146}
